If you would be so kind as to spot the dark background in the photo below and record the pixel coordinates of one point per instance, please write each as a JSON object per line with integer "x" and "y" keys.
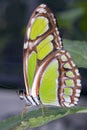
{"x": 14, "y": 16}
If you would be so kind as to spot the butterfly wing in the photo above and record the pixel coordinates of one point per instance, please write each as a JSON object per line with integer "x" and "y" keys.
{"x": 58, "y": 80}
{"x": 41, "y": 39}
{"x": 49, "y": 71}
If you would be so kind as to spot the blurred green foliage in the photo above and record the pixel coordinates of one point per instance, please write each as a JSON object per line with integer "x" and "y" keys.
{"x": 78, "y": 51}
{"x": 83, "y": 21}
{"x": 68, "y": 23}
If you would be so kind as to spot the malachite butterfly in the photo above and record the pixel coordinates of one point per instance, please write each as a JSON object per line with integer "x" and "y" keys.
{"x": 51, "y": 77}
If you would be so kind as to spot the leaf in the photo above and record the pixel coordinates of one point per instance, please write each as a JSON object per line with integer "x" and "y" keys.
{"x": 35, "y": 118}
{"x": 83, "y": 20}
{"x": 78, "y": 51}
{"x": 67, "y": 18}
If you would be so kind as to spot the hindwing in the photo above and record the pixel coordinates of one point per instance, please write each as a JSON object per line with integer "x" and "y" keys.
{"x": 57, "y": 81}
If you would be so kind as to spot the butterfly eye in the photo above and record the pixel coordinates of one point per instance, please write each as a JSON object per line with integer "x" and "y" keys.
{"x": 36, "y": 12}
{"x": 21, "y": 94}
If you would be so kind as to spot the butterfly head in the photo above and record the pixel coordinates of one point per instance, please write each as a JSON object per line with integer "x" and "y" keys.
{"x": 21, "y": 94}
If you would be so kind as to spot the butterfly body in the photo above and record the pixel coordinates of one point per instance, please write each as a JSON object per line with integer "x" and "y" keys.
{"x": 50, "y": 75}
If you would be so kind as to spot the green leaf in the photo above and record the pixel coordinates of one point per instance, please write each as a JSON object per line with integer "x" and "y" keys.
{"x": 67, "y": 18}
{"x": 78, "y": 51}
{"x": 35, "y": 118}
{"x": 83, "y": 20}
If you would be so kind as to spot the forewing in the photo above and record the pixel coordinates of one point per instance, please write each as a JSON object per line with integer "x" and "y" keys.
{"x": 41, "y": 39}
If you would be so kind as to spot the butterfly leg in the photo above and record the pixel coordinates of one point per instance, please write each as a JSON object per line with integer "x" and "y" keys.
{"x": 45, "y": 110}
{"x": 42, "y": 109}
{"x": 25, "y": 109}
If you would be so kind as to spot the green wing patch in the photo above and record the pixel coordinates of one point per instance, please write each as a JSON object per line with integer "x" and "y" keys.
{"x": 68, "y": 91}
{"x": 32, "y": 62}
{"x": 45, "y": 47}
{"x": 48, "y": 86}
{"x": 39, "y": 27}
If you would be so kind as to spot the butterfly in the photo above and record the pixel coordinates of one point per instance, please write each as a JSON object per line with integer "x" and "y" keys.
{"x": 51, "y": 77}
